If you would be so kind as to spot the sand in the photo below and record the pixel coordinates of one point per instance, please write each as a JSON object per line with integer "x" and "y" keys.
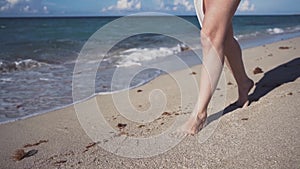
{"x": 264, "y": 135}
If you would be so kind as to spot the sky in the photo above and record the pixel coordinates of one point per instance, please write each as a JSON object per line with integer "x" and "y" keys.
{"x": 125, "y": 7}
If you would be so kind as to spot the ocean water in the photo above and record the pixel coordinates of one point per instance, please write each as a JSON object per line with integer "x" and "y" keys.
{"x": 38, "y": 55}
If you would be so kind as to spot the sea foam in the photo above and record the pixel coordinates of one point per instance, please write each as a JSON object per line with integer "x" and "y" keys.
{"x": 136, "y": 56}
{"x": 6, "y": 66}
{"x": 275, "y": 31}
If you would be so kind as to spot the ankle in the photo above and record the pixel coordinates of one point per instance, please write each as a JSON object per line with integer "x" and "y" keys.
{"x": 202, "y": 114}
{"x": 245, "y": 83}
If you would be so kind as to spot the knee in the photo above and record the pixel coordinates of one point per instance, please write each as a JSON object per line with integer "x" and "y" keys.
{"x": 213, "y": 36}
{"x": 206, "y": 38}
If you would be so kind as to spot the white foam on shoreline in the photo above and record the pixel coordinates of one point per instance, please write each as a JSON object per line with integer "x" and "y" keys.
{"x": 268, "y": 31}
{"x": 275, "y": 31}
{"x": 26, "y": 64}
{"x": 135, "y": 56}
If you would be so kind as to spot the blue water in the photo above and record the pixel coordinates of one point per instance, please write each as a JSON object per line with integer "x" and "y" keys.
{"x": 38, "y": 55}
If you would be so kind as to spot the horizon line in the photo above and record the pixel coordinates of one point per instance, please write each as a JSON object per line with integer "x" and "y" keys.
{"x": 94, "y": 16}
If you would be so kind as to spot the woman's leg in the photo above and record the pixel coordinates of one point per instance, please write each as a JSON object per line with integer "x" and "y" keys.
{"x": 234, "y": 61}
{"x": 216, "y": 24}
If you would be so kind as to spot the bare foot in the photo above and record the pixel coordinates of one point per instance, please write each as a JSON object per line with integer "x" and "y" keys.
{"x": 244, "y": 90}
{"x": 194, "y": 124}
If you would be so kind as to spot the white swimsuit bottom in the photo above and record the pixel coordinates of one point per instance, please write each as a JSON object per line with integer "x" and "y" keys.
{"x": 199, "y": 10}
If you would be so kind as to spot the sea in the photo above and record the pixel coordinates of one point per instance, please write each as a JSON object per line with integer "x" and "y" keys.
{"x": 38, "y": 55}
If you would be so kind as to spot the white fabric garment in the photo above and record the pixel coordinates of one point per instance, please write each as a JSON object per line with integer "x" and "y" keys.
{"x": 199, "y": 10}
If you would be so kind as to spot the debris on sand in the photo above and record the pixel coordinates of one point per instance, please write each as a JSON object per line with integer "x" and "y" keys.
{"x": 20, "y": 154}
{"x": 166, "y": 114}
{"x": 123, "y": 133}
{"x": 90, "y": 145}
{"x": 141, "y": 126}
{"x": 35, "y": 144}
{"x": 284, "y": 47}
{"x": 257, "y": 70}
{"x": 121, "y": 125}
{"x": 59, "y": 162}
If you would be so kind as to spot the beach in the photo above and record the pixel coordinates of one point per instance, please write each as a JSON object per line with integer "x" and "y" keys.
{"x": 263, "y": 135}
{"x": 37, "y": 66}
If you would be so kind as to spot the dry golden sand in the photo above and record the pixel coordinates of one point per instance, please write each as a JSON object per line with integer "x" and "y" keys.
{"x": 264, "y": 135}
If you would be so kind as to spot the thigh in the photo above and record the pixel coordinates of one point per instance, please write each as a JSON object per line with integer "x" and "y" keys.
{"x": 218, "y": 16}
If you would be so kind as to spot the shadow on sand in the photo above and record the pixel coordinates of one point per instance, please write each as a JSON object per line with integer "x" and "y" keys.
{"x": 285, "y": 73}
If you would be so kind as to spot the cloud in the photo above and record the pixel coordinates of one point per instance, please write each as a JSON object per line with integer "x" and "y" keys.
{"x": 23, "y": 7}
{"x": 183, "y": 4}
{"x": 45, "y": 9}
{"x": 175, "y": 5}
{"x": 246, "y": 6}
{"x": 160, "y": 4}
{"x": 153, "y": 5}
{"x": 13, "y": 2}
{"x": 26, "y": 8}
{"x": 9, "y": 4}
{"x": 125, "y": 5}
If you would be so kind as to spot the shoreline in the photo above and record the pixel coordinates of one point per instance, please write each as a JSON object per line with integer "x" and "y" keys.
{"x": 255, "y": 137}
{"x": 254, "y": 45}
